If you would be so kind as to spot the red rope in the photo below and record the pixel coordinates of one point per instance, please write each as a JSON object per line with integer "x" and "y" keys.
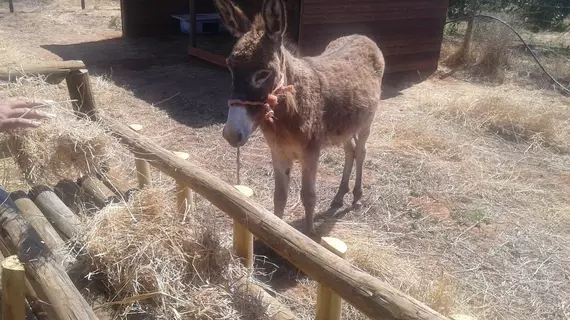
{"x": 271, "y": 101}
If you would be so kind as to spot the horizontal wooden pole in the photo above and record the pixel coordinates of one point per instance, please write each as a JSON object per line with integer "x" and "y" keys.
{"x": 54, "y": 71}
{"x": 57, "y": 213}
{"x": 368, "y": 294}
{"x": 40, "y": 223}
{"x": 98, "y": 191}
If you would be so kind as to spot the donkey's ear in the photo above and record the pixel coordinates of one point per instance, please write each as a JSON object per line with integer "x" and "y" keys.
{"x": 234, "y": 19}
{"x": 275, "y": 18}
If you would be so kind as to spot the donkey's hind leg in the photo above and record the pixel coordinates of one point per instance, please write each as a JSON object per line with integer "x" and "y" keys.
{"x": 349, "y": 155}
{"x": 360, "y": 154}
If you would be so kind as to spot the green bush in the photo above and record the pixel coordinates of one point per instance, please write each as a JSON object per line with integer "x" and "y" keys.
{"x": 538, "y": 14}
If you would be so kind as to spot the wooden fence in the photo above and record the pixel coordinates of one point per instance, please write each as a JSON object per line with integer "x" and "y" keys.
{"x": 338, "y": 279}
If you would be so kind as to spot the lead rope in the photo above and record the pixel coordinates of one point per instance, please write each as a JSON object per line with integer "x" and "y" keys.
{"x": 238, "y": 165}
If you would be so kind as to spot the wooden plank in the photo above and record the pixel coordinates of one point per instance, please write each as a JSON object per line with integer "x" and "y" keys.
{"x": 42, "y": 270}
{"x": 208, "y": 56}
{"x": 373, "y": 297}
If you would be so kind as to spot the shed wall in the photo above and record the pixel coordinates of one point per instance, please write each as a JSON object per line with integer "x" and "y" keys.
{"x": 409, "y": 32}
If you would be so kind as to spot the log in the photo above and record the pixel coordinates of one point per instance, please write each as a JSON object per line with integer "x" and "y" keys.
{"x": 329, "y": 304}
{"x": 13, "y": 289}
{"x": 34, "y": 310}
{"x": 47, "y": 277}
{"x": 184, "y": 195}
{"x": 79, "y": 88}
{"x": 54, "y": 72}
{"x": 143, "y": 168}
{"x": 57, "y": 213}
{"x": 70, "y": 193}
{"x": 118, "y": 186}
{"x": 250, "y": 291}
{"x": 373, "y": 297}
{"x": 40, "y": 223}
{"x": 102, "y": 196}
{"x": 243, "y": 239}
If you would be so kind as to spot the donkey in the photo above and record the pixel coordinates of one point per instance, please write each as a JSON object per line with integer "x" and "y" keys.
{"x": 301, "y": 104}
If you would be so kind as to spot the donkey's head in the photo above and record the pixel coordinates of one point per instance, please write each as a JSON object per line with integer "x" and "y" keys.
{"x": 256, "y": 64}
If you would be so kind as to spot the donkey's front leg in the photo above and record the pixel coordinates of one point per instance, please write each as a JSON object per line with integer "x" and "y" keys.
{"x": 308, "y": 190}
{"x": 282, "y": 168}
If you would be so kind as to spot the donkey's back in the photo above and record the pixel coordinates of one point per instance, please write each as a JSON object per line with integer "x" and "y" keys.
{"x": 350, "y": 73}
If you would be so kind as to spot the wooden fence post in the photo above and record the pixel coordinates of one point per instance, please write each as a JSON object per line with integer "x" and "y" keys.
{"x": 79, "y": 88}
{"x": 329, "y": 304}
{"x": 243, "y": 238}
{"x": 13, "y": 289}
{"x": 184, "y": 194}
{"x": 82, "y": 4}
{"x": 11, "y": 5}
{"x": 143, "y": 167}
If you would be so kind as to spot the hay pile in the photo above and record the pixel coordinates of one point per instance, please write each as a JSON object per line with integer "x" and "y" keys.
{"x": 62, "y": 148}
{"x": 181, "y": 270}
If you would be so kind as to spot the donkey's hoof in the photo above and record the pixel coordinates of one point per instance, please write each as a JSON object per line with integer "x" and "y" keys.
{"x": 311, "y": 232}
{"x": 356, "y": 204}
{"x": 337, "y": 203}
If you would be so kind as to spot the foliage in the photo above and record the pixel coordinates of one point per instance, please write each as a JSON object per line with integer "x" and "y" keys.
{"x": 538, "y": 14}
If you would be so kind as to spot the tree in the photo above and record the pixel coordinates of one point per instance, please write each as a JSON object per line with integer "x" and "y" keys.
{"x": 541, "y": 14}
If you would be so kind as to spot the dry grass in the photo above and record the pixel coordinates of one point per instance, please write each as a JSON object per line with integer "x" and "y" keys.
{"x": 522, "y": 117}
{"x": 497, "y": 56}
{"x": 186, "y": 264}
{"x": 491, "y": 51}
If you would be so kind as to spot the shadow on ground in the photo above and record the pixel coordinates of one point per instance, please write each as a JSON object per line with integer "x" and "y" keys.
{"x": 276, "y": 269}
{"x": 159, "y": 72}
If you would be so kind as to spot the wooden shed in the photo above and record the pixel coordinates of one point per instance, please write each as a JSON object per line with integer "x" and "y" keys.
{"x": 409, "y": 32}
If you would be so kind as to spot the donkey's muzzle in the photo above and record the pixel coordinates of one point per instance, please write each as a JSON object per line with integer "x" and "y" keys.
{"x": 235, "y": 138}
{"x": 238, "y": 127}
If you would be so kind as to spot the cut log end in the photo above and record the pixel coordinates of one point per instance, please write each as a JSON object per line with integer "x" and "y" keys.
{"x": 12, "y": 263}
{"x": 182, "y": 155}
{"x": 246, "y": 191}
{"x": 136, "y": 127}
{"x": 335, "y": 246}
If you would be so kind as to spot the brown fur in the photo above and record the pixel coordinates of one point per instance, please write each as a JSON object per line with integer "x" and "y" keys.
{"x": 337, "y": 94}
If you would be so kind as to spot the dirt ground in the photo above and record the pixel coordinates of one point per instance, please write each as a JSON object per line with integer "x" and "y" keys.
{"x": 466, "y": 186}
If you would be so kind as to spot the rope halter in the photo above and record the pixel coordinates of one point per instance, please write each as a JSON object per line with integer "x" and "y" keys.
{"x": 271, "y": 101}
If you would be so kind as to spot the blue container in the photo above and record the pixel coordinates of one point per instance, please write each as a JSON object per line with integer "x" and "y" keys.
{"x": 206, "y": 23}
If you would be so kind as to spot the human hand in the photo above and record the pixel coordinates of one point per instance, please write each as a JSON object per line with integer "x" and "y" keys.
{"x": 21, "y": 113}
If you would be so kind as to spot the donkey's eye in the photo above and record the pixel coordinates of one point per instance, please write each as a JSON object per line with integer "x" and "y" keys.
{"x": 260, "y": 76}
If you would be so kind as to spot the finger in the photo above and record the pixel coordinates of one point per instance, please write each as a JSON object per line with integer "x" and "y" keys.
{"x": 15, "y": 123}
{"x": 28, "y": 103}
{"x": 30, "y": 114}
